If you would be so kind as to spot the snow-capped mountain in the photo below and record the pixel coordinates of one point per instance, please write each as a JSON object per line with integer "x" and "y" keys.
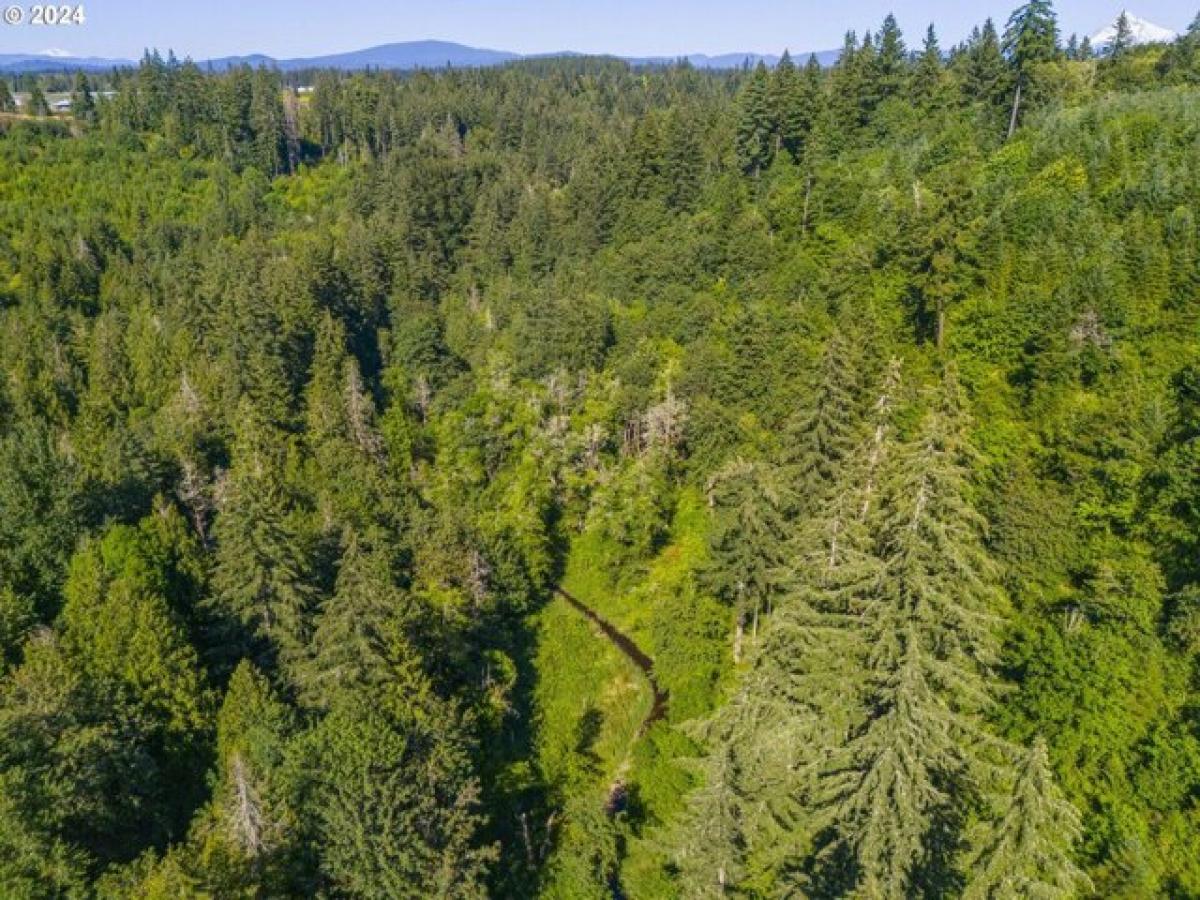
{"x": 1143, "y": 32}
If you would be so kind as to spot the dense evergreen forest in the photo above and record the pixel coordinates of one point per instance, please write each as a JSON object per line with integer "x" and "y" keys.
{"x": 863, "y": 401}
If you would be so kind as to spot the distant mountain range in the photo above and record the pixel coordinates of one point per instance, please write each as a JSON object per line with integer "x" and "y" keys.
{"x": 442, "y": 54}
{"x": 404, "y": 55}
{"x": 54, "y": 61}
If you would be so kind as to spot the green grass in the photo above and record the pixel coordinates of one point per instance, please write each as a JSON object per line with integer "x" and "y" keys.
{"x": 590, "y": 701}
{"x": 657, "y": 603}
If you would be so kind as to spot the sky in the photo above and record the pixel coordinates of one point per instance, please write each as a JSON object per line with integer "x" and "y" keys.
{"x": 290, "y": 28}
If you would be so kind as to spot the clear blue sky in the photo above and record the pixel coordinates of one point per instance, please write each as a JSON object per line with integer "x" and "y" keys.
{"x": 285, "y": 28}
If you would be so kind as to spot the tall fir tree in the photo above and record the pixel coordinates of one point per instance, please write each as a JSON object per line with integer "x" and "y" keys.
{"x": 755, "y": 127}
{"x": 262, "y": 578}
{"x": 1122, "y": 41}
{"x": 83, "y": 102}
{"x": 8, "y": 103}
{"x": 751, "y": 822}
{"x": 895, "y": 794}
{"x": 387, "y": 785}
{"x": 747, "y": 542}
{"x": 817, "y": 438}
{"x": 985, "y": 75}
{"x": 1030, "y": 38}
{"x": 891, "y": 62}
{"x": 1028, "y": 853}
{"x": 928, "y": 73}
{"x": 366, "y": 612}
{"x": 787, "y": 109}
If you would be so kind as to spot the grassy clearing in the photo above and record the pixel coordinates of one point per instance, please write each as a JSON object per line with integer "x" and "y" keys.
{"x": 590, "y": 701}
{"x": 587, "y": 722}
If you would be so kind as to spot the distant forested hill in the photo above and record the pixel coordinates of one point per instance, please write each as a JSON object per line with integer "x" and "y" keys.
{"x": 864, "y": 401}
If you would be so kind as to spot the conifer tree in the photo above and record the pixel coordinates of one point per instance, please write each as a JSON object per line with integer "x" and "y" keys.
{"x": 811, "y": 102}
{"x": 1028, "y": 852}
{"x": 985, "y": 72}
{"x": 354, "y": 626}
{"x": 646, "y": 170}
{"x": 80, "y": 782}
{"x": 796, "y": 699}
{"x": 1123, "y": 40}
{"x": 118, "y": 625}
{"x": 891, "y": 62}
{"x": 1031, "y": 35}
{"x": 818, "y": 438}
{"x": 387, "y": 783}
{"x": 262, "y": 576}
{"x": 1030, "y": 38}
{"x": 348, "y": 466}
{"x": 754, "y": 129}
{"x": 7, "y": 103}
{"x": 711, "y": 854}
{"x": 868, "y": 91}
{"x": 43, "y": 511}
{"x": 38, "y": 106}
{"x": 266, "y": 121}
{"x": 927, "y": 632}
{"x": 683, "y": 161}
{"x": 747, "y": 542}
{"x": 846, "y": 86}
{"x": 927, "y": 74}
{"x": 787, "y": 107}
{"x": 244, "y": 842}
{"x": 83, "y": 103}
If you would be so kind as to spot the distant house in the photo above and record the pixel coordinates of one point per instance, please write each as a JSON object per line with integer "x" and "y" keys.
{"x": 304, "y": 89}
{"x": 59, "y": 102}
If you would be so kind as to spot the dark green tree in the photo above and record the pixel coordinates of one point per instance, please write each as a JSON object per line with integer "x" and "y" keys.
{"x": 985, "y": 75}
{"x": 356, "y": 624}
{"x": 891, "y": 62}
{"x": 80, "y": 785}
{"x": 83, "y": 102}
{"x": 37, "y": 104}
{"x": 43, "y": 511}
{"x": 818, "y": 437}
{"x": 747, "y": 542}
{"x": 388, "y": 787}
{"x": 928, "y": 73}
{"x": 1030, "y": 38}
{"x": 755, "y": 126}
{"x": 262, "y": 578}
{"x": 787, "y": 107}
{"x": 1122, "y": 41}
